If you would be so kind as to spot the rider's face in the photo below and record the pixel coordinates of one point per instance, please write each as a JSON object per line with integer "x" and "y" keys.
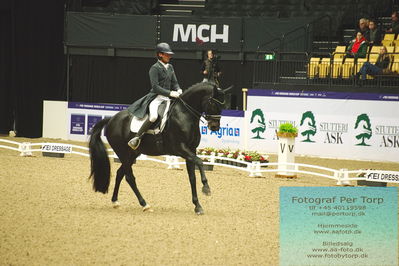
{"x": 165, "y": 58}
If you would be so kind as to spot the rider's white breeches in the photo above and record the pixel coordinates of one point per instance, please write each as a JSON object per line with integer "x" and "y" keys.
{"x": 154, "y": 107}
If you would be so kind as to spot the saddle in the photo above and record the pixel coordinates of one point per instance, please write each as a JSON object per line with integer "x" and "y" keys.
{"x": 158, "y": 126}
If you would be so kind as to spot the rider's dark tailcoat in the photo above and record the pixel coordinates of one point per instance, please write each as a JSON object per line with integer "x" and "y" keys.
{"x": 162, "y": 82}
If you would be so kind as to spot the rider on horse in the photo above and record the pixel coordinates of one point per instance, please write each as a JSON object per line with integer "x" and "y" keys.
{"x": 163, "y": 85}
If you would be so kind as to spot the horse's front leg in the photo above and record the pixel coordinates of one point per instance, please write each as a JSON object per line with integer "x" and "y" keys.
{"x": 190, "y": 164}
{"x": 205, "y": 188}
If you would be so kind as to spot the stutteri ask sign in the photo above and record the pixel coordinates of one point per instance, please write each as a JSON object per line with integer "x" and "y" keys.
{"x": 360, "y": 126}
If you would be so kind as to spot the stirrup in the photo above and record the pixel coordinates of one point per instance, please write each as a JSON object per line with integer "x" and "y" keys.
{"x": 134, "y": 143}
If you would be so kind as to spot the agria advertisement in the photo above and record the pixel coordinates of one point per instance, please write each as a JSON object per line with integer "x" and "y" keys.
{"x": 230, "y": 134}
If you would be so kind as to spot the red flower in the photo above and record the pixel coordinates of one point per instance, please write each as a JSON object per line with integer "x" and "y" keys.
{"x": 248, "y": 158}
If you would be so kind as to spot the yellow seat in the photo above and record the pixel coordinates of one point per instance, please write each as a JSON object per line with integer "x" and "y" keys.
{"x": 374, "y": 52}
{"x": 336, "y": 67}
{"x": 348, "y": 67}
{"x": 324, "y": 68}
{"x": 339, "y": 51}
{"x": 390, "y": 49}
{"x": 395, "y": 43}
{"x": 313, "y": 67}
{"x": 395, "y": 62}
{"x": 395, "y": 66}
{"x": 360, "y": 62}
{"x": 389, "y": 36}
{"x": 388, "y": 43}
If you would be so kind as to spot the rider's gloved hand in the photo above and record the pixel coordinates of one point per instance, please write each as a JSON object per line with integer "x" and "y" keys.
{"x": 174, "y": 94}
{"x": 180, "y": 91}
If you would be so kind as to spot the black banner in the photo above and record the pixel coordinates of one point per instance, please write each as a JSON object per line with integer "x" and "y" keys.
{"x": 266, "y": 33}
{"x": 124, "y": 31}
{"x": 194, "y": 33}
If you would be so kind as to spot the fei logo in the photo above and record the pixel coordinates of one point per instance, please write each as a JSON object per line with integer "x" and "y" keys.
{"x": 203, "y": 32}
{"x": 260, "y": 125}
{"x": 309, "y": 125}
{"x": 364, "y": 127}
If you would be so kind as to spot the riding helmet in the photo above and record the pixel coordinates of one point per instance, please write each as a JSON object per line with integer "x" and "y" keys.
{"x": 163, "y": 47}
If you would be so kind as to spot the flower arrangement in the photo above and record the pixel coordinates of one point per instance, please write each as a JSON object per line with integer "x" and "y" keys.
{"x": 287, "y": 130}
{"x": 248, "y": 156}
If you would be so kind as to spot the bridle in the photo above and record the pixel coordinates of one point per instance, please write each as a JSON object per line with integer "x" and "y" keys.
{"x": 205, "y": 115}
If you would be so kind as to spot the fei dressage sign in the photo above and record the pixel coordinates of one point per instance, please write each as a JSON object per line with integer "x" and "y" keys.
{"x": 382, "y": 176}
{"x": 56, "y": 148}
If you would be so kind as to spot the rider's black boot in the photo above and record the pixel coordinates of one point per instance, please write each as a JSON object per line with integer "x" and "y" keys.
{"x": 135, "y": 142}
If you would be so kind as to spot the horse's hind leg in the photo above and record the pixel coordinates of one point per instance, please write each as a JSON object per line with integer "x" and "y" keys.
{"x": 131, "y": 180}
{"x": 119, "y": 176}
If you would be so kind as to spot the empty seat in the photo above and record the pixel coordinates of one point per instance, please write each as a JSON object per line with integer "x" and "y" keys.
{"x": 395, "y": 66}
{"x": 348, "y": 68}
{"x": 336, "y": 67}
{"x": 313, "y": 67}
{"x": 388, "y": 42}
{"x": 388, "y": 39}
{"x": 339, "y": 51}
{"x": 324, "y": 68}
{"x": 390, "y": 49}
{"x": 389, "y": 36}
{"x": 374, "y": 52}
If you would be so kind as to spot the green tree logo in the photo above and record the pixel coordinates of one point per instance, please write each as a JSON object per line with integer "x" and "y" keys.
{"x": 310, "y": 126}
{"x": 258, "y": 117}
{"x": 366, "y": 132}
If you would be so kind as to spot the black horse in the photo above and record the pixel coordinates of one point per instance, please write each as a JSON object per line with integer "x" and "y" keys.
{"x": 180, "y": 137}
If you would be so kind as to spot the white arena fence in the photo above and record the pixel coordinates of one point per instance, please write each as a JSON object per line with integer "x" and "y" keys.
{"x": 255, "y": 169}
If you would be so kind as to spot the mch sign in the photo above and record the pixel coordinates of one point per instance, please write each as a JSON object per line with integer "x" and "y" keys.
{"x": 202, "y": 32}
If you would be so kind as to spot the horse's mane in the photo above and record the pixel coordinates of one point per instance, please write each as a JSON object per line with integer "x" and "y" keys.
{"x": 198, "y": 86}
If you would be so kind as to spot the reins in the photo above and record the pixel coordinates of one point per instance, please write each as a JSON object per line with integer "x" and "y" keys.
{"x": 198, "y": 114}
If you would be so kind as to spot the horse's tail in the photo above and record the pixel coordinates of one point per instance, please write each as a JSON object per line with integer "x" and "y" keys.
{"x": 99, "y": 161}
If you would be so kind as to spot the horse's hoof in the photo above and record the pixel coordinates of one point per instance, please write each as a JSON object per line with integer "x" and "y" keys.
{"x": 199, "y": 211}
{"x": 206, "y": 190}
{"x": 147, "y": 208}
{"x": 116, "y": 204}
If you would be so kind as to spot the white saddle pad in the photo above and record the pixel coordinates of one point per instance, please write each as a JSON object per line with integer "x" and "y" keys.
{"x": 136, "y": 123}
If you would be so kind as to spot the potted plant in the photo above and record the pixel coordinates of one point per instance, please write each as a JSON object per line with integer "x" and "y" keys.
{"x": 286, "y": 134}
{"x": 287, "y": 130}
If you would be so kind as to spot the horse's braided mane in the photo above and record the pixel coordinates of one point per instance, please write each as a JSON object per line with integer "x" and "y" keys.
{"x": 198, "y": 86}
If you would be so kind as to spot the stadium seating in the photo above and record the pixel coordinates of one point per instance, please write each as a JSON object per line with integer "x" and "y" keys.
{"x": 313, "y": 67}
{"x": 339, "y": 52}
{"x": 374, "y": 52}
{"x": 348, "y": 68}
{"x": 324, "y": 68}
{"x": 388, "y": 39}
{"x": 336, "y": 67}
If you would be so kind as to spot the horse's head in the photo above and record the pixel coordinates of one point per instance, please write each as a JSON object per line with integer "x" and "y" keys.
{"x": 212, "y": 106}
{"x": 208, "y": 101}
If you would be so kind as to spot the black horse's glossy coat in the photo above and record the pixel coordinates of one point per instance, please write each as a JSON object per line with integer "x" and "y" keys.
{"x": 180, "y": 137}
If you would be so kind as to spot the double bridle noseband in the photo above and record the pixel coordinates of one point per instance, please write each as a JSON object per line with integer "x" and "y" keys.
{"x": 205, "y": 115}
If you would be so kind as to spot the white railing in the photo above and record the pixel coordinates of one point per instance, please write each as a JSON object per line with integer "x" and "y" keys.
{"x": 255, "y": 169}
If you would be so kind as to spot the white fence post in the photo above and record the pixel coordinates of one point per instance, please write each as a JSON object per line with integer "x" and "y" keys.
{"x": 343, "y": 174}
{"x": 254, "y": 168}
{"x": 25, "y": 149}
{"x": 172, "y": 162}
